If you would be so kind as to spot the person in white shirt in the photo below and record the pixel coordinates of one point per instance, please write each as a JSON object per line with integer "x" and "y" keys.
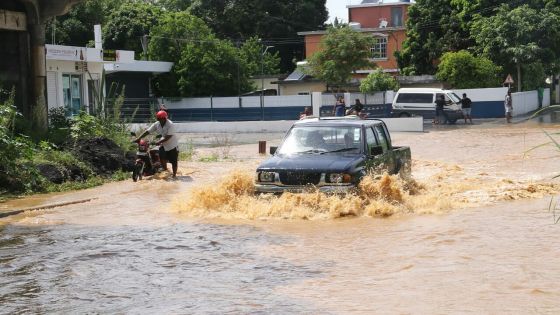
{"x": 168, "y": 142}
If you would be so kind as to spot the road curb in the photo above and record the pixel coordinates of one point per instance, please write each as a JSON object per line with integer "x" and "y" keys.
{"x": 44, "y": 207}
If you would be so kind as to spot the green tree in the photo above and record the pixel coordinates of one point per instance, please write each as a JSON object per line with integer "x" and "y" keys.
{"x": 433, "y": 27}
{"x": 252, "y": 52}
{"x": 343, "y": 52}
{"x": 175, "y": 5}
{"x": 276, "y": 22}
{"x": 204, "y": 65}
{"x": 379, "y": 81}
{"x": 462, "y": 70}
{"x": 519, "y": 36}
{"x": 126, "y": 25}
{"x": 76, "y": 27}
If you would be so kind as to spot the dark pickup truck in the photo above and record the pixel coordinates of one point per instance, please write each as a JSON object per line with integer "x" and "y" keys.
{"x": 332, "y": 155}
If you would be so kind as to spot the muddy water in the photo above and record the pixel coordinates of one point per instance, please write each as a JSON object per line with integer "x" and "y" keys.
{"x": 493, "y": 250}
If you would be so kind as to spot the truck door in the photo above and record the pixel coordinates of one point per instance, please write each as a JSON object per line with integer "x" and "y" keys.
{"x": 388, "y": 158}
{"x": 373, "y": 151}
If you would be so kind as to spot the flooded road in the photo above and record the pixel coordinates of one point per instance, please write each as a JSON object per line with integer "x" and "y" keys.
{"x": 136, "y": 249}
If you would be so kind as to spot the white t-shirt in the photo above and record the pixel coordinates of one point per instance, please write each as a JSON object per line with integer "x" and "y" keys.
{"x": 167, "y": 130}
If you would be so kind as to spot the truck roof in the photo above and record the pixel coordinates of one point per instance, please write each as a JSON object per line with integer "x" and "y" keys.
{"x": 337, "y": 121}
{"x": 423, "y": 90}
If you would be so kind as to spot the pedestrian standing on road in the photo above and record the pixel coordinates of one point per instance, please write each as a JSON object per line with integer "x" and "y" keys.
{"x": 508, "y": 105}
{"x": 339, "y": 108}
{"x": 466, "y": 107}
{"x": 540, "y": 92}
{"x": 168, "y": 150}
{"x": 440, "y": 103}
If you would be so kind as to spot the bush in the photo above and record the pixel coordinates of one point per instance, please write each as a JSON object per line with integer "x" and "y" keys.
{"x": 378, "y": 81}
{"x": 462, "y": 70}
{"x": 17, "y": 172}
{"x": 59, "y": 126}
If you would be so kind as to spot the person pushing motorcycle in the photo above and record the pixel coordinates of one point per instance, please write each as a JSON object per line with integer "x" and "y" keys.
{"x": 168, "y": 142}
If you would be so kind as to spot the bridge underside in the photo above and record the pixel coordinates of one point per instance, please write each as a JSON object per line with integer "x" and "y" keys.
{"x": 22, "y": 52}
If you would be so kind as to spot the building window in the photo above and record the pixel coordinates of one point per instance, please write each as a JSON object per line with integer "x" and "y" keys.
{"x": 397, "y": 16}
{"x": 379, "y": 49}
{"x": 72, "y": 91}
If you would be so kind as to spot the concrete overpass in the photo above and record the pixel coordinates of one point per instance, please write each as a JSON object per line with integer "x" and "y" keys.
{"x": 22, "y": 52}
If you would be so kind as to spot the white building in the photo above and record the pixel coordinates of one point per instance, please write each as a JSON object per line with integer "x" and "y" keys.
{"x": 74, "y": 74}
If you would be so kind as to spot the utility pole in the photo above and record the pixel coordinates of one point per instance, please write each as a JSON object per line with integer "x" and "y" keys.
{"x": 262, "y": 80}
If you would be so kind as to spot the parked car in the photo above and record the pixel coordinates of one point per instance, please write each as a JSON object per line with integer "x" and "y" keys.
{"x": 331, "y": 154}
{"x": 421, "y": 102}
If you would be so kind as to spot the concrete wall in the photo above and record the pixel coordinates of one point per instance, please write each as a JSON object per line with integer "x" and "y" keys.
{"x": 489, "y": 103}
{"x": 238, "y": 108}
{"x": 305, "y": 87}
{"x": 413, "y": 124}
{"x": 526, "y": 102}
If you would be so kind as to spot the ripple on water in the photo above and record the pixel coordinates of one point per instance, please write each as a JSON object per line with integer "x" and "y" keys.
{"x": 171, "y": 272}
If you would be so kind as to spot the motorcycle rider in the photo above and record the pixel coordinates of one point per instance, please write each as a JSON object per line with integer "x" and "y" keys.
{"x": 168, "y": 142}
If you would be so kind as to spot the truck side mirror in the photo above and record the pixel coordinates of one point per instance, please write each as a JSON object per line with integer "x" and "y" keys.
{"x": 376, "y": 150}
{"x": 273, "y": 150}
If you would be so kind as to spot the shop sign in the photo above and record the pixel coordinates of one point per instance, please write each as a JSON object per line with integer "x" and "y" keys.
{"x": 58, "y": 52}
{"x": 109, "y": 55}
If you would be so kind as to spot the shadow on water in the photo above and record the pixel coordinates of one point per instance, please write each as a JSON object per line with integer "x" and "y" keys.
{"x": 192, "y": 268}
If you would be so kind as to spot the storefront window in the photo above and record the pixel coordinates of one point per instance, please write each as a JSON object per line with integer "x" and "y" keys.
{"x": 72, "y": 91}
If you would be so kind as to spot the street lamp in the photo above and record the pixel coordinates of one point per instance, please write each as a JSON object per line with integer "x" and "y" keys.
{"x": 262, "y": 80}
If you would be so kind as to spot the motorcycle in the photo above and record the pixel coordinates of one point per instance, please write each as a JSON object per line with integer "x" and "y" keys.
{"x": 147, "y": 161}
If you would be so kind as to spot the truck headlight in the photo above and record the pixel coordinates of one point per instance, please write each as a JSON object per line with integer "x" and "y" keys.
{"x": 338, "y": 178}
{"x": 266, "y": 177}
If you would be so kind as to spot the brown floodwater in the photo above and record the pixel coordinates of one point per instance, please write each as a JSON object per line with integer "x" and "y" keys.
{"x": 471, "y": 234}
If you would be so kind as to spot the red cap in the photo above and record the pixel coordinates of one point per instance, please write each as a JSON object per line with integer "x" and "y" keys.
{"x": 161, "y": 114}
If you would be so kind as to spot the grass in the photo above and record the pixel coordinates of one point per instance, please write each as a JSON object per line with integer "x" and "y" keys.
{"x": 553, "y": 206}
{"x": 89, "y": 183}
{"x": 187, "y": 152}
{"x": 223, "y": 143}
{"x": 211, "y": 158}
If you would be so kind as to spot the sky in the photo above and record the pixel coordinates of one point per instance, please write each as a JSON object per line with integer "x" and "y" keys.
{"x": 338, "y": 8}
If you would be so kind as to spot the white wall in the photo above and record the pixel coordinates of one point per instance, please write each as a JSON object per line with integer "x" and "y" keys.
{"x": 233, "y": 102}
{"x": 412, "y": 124}
{"x": 546, "y": 98}
{"x": 524, "y": 102}
{"x": 484, "y": 95}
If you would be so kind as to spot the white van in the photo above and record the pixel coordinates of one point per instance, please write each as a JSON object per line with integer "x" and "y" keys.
{"x": 422, "y": 102}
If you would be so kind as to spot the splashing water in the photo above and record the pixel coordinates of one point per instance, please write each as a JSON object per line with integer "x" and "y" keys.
{"x": 376, "y": 196}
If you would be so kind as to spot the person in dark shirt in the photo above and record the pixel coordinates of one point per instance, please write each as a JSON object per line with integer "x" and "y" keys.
{"x": 440, "y": 103}
{"x": 357, "y": 108}
{"x": 466, "y": 107}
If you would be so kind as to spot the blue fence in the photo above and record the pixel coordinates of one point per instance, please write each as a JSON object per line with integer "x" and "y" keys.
{"x": 373, "y": 111}
{"x": 236, "y": 114}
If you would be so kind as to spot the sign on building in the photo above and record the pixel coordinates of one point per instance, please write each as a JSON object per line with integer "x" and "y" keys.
{"x": 109, "y": 55}
{"x": 70, "y": 53}
{"x": 13, "y": 21}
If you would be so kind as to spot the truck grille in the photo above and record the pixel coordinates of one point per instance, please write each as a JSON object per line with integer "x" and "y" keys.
{"x": 297, "y": 178}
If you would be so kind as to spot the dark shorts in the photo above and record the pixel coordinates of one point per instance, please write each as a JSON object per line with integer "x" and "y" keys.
{"x": 170, "y": 156}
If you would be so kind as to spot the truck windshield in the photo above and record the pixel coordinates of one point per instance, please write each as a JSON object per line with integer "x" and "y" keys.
{"x": 454, "y": 97}
{"x": 323, "y": 140}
